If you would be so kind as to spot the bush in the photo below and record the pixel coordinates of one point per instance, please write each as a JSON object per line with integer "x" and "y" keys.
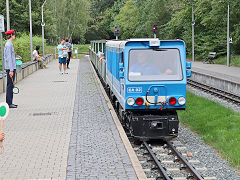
{"x": 22, "y": 46}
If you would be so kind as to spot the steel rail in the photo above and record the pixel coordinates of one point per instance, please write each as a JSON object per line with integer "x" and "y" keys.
{"x": 161, "y": 168}
{"x": 218, "y": 92}
{"x": 188, "y": 165}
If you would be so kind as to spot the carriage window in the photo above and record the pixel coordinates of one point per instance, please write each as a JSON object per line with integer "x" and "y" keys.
{"x": 155, "y": 65}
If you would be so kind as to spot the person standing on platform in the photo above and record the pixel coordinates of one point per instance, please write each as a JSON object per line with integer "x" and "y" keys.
{"x": 10, "y": 66}
{"x": 69, "y": 45}
{"x": 62, "y": 56}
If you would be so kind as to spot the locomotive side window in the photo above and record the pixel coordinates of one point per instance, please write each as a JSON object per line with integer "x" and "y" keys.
{"x": 155, "y": 65}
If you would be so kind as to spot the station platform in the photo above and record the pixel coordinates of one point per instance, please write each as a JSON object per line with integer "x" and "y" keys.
{"x": 63, "y": 129}
{"x": 216, "y": 75}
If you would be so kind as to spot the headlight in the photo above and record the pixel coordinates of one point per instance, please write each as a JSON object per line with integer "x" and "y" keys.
{"x": 181, "y": 101}
{"x": 130, "y": 101}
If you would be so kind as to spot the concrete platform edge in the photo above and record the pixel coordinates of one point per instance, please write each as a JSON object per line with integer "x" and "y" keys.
{"x": 217, "y": 82}
{"x": 214, "y": 75}
{"x": 135, "y": 162}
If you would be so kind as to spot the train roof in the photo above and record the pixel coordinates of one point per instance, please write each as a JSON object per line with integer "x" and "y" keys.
{"x": 121, "y": 44}
{"x": 117, "y": 44}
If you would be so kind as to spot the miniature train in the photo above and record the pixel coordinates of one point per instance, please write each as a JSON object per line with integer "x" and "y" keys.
{"x": 146, "y": 80}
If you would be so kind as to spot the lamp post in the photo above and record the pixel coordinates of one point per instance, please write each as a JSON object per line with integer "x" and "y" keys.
{"x": 43, "y": 24}
{"x": 2, "y": 29}
{"x": 193, "y": 23}
{"x": 30, "y": 16}
{"x": 8, "y": 18}
{"x": 228, "y": 39}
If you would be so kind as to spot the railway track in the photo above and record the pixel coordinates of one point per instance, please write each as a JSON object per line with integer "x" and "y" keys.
{"x": 216, "y": 92}
{"x": 169, "y": 161}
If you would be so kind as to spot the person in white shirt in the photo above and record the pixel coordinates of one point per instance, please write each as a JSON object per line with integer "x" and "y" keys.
{"x": 37, "y": 57}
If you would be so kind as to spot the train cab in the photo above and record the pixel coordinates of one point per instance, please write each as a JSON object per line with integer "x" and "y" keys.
{"x": 148, "y": 78}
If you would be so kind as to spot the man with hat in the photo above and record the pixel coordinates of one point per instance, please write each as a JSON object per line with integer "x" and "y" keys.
{"x": 10, "y": 66}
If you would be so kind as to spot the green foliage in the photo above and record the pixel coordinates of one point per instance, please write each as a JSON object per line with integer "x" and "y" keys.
{"x": 100, "y": 25}
{"x": 22, "y": 46}
{"x": 174, "y": 18}
{"x": 63, "y": 18}
{"x": 235, "y": 60}
{"x": 128, "y": 19}
{"x": 19, "y": 17}
{"x": 71, "y": 17}
{"x": 82, "y": 48}
{"x": 99, "y": 6}
{"x": 149, "y": 17}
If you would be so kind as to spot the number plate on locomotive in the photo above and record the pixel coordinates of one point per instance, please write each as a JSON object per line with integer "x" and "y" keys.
{"x": 134, "y": 90}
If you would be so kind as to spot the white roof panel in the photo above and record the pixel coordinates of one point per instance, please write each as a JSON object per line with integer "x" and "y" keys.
{"x": 117, "y": 44}
{"x": 121, "y": 44}
{"x": 143, "y": 39}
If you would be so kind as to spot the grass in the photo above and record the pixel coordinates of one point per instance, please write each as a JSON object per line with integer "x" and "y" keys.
{"x": 82, "y": 48}
{"x": 216, "y": 125}
{"x": 235, "y": 60}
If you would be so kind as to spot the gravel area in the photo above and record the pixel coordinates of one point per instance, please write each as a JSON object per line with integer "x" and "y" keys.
{"x": 217, "y": 167}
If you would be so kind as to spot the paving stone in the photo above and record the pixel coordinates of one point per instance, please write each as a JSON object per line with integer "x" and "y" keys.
{"x": 95, "y": 146}
{"x": 36, "y": 147}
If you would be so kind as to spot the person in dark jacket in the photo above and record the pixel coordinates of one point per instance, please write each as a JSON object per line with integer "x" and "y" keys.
{"x": 69, "y": 45}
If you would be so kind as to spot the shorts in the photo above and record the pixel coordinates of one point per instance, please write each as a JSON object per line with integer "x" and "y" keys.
{"x": 62, "y": 60}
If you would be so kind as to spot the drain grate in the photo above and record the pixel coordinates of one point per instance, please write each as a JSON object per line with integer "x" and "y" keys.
{"x": 59, "y": 81}
{"x": 43, "y": 114}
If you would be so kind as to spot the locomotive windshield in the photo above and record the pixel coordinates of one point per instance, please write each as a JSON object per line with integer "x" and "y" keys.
{"x": 155, "y": 65}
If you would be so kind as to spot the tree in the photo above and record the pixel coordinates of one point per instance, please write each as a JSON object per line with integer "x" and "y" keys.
{"x": 153, "y": 12}
{"x": 128, "y": 20}
{"x": 72, "y": 17}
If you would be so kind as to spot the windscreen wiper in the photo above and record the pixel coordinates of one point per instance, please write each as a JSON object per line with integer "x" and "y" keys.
{"x": 157, "y": 49}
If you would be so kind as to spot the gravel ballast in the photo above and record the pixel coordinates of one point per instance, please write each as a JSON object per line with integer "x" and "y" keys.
{"x": 216, "y": 166}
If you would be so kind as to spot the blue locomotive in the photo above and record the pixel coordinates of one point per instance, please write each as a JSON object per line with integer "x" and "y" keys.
{"x": 146, "y": 80}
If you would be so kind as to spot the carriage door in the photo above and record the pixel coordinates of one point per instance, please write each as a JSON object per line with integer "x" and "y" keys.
{"x": 122, "y": 80}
